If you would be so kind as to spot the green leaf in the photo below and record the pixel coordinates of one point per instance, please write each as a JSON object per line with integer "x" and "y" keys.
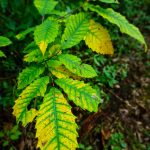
{"x": 2, "y": 134}
{"x": 20, "y": 110}
{"x": 46, "y": 33}
{"x": 119, "y": 20}
{"x": 45, "y": 6}
{"x": 30, "y": 47}
{"x": 55, "y": 124}
{"x": 6, "y": 143}
{"x": 54, "y": 50}
{"x": 73, "y": 63}
{"x": 109, "y": 1}
{"x": 76, "y": 28}
{"x": 14, "y": 133}
{"x": 23, "y": 34}
{"x": 34, "y": 56}
{"x": 59, "y": 70}
{"x": 4, "y": 4}
{"x": 2, "y": 54}
{"x": 58, "y": 13}
{"x": 14, "y": 130}
{"x": 4, "y": 41}
{"x": 80, "y": 93}
{"x": 28, "y": 75}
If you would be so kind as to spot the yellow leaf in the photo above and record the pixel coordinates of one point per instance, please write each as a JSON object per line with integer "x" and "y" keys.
{"x": 98, "y": 39}
{"x": 20, "y": 109}
{"x": 54, "y": 50}
{"x": 55, "y": 124}
{"x": 43, "y": 46}
{"x": 30, "y": 115}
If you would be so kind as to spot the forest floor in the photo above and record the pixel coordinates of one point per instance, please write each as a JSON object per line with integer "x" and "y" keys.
{"x": 128, "y": 111}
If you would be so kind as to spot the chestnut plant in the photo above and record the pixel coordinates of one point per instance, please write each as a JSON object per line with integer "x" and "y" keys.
{"x": 54, "y": 76}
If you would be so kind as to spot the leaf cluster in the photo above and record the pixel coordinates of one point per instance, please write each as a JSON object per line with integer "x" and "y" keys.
{"x": 54, "y": 76}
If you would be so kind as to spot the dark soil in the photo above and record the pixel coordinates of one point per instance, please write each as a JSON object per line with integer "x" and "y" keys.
{"x": 128, "y": 111}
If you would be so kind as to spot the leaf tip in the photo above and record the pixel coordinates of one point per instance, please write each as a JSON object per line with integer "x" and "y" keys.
{"x": 43, "y": 45}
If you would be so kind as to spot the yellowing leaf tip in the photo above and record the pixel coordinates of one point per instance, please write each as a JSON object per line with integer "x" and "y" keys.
{"x": 43, "y": 45}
